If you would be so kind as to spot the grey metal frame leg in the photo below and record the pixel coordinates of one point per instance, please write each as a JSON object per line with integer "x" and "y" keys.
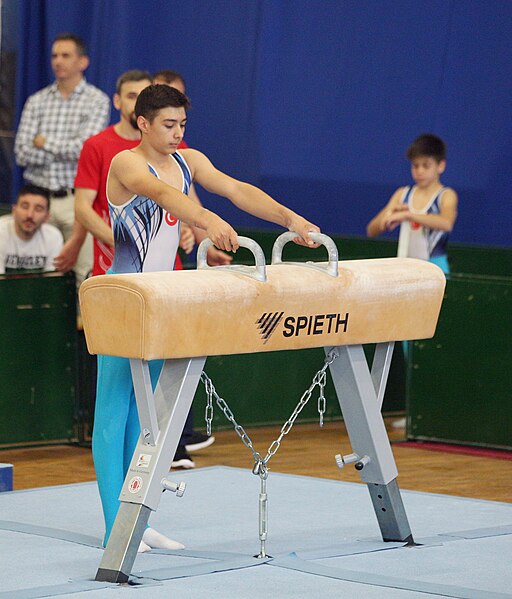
{"x": 360, "y": 395}
{"x": 162, "y": 415}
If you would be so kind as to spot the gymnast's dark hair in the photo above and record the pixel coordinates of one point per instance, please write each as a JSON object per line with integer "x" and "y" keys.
{"x": 154, "y": 98}
{"x": 429, "y": 145}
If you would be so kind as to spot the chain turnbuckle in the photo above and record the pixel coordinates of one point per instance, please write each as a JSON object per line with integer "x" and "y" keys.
{"x": 263, "y": 512}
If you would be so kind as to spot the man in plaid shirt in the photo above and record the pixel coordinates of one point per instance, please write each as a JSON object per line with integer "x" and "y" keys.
{"x": 54, "y": 124}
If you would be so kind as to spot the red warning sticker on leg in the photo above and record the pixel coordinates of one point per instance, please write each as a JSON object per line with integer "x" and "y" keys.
{"x": 135, "y": 484}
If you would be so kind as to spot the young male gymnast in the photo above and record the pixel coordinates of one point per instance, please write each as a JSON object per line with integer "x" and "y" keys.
{"x": 426, "y": 211}
{"x": 146, "y": 190}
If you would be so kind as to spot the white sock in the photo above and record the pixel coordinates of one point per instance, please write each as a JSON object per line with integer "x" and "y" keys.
{"x": 156, "y": 540}
{"x": 143, "y": 547}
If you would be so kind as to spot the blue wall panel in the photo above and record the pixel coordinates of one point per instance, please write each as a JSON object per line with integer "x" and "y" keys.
{"x": 317, "y": 100}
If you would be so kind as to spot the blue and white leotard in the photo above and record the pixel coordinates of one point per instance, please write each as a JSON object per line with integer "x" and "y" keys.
{"x": 146, "y": 236}
{"x": 417, "y": 241}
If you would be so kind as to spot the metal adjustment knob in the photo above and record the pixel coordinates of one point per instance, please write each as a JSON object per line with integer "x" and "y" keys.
{"x": 341, "y": 461}
{"x": 362, "y": 462}
{"x": 178, "y": 488}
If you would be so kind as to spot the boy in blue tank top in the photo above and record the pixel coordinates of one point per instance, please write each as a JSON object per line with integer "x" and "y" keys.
{"x": 426, "y": 211}
{"x": 146, "y": 189}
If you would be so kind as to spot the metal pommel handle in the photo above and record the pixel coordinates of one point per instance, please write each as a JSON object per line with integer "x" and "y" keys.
{"x": 321, "y": 238}
{"x": 257, "y": 272}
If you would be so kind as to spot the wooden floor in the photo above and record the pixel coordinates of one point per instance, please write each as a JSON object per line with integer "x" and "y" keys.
{"x": 306, "y": 450}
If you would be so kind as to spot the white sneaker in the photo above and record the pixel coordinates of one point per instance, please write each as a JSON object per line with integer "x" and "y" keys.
{"x": 199, "y": 441}
{"x": 182, "y": 459}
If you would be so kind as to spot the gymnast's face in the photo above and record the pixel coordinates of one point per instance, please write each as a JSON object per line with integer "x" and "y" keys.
{"x": 426, "y": 170}
{"x": 166, "y": 130}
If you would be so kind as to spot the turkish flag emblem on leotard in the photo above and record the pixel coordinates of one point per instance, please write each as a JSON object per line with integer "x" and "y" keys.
{"x": 170, "y": 220}
{"x": 415, "y": 226}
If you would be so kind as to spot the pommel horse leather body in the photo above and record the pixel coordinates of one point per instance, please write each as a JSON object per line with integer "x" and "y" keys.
{"x": 220, "y": 312}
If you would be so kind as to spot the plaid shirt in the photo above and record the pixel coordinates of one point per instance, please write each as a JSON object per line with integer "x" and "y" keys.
{"x": 65, "y": 125}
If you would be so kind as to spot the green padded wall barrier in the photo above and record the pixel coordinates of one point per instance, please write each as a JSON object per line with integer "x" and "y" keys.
{"x": 264, "y": 388}
{"x": 460, "y": 382}
{"x": 37, "y": 363}
{"x": 480, "y": 260}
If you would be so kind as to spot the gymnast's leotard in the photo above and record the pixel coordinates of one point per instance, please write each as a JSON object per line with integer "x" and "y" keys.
{"x": 422, "y": 242}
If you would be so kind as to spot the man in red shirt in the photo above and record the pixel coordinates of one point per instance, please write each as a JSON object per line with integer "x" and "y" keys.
{"x": 91, "y": 206}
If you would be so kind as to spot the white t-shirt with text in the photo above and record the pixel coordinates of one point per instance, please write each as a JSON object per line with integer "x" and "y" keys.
{"x": 36, "y": 254}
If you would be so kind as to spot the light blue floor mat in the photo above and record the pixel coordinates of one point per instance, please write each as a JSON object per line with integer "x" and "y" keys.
{"x": 323, "y": 537}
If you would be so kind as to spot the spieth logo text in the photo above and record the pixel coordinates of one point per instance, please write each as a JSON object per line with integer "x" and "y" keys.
{"x": 293, "y": 326}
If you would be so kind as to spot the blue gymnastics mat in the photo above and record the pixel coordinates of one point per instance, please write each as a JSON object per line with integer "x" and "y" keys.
{"x": 322, "y": 535}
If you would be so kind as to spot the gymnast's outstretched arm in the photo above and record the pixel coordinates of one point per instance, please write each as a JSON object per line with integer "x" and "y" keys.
{"x": 247, "y": 197}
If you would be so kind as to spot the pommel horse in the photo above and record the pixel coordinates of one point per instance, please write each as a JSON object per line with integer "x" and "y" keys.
{"x": 185, "y": 316}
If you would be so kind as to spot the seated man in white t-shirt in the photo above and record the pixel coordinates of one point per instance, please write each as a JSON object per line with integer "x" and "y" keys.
{"x": 27, "y": 242}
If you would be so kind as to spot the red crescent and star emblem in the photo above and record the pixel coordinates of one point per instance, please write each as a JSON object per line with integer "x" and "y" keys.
{"x": 170, "y": 219}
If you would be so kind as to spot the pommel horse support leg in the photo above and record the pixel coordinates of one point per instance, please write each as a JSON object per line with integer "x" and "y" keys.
{"x": 360, "y": 396}
{"x": 162, "y": 415}
{"x": 182, "y": 317}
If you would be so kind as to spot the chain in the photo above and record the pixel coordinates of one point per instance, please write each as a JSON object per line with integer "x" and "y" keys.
{"x": 208, "y": 413}
{"x": 239, "y": 429}
{"x": 260, "y": 467}
{"x": 321, "y": 398}
{"x": 318, "y": 380}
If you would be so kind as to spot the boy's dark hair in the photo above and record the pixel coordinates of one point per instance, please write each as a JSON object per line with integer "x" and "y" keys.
{"x": 133, "y": 75}
{"x": 427, "y": 144}
{"x": 81, "y": 48}
{"x": 34, "y": 190}
{"x": 154, "y": 98}
{"x": 169, "y": 76}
